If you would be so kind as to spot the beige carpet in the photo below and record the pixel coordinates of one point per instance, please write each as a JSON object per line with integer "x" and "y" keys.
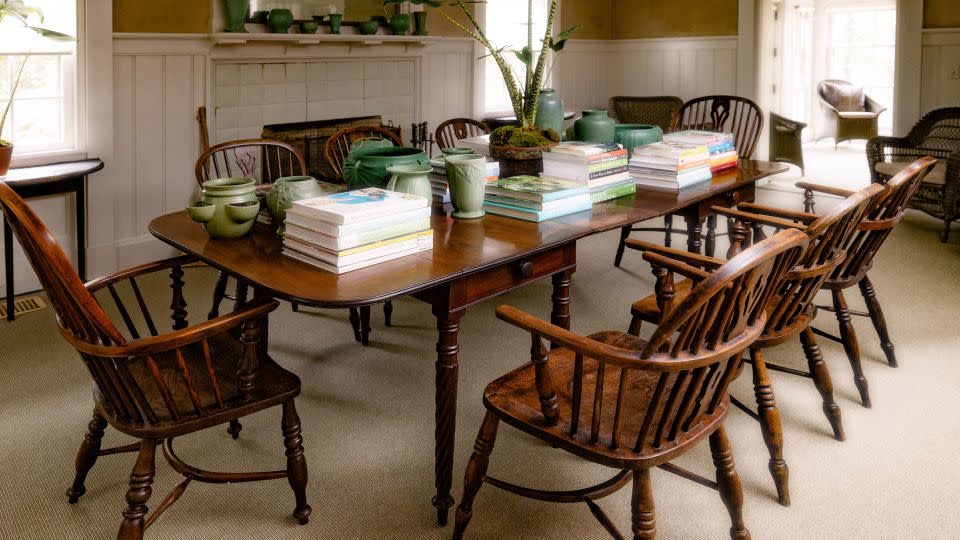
{"x": 368, "y": 425}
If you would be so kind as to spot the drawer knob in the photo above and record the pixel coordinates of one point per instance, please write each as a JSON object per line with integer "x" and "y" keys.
{"x": 525, "y": 269}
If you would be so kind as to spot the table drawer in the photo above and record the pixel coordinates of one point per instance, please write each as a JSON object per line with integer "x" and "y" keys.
{"x": 505, "y": 277}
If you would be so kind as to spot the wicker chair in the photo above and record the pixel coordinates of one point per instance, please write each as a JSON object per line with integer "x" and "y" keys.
{"x": 937, "y": 134}
{"x": 655, "y": 110}
{"x": 786, "y": 144}
{"x": 846, "y": 125}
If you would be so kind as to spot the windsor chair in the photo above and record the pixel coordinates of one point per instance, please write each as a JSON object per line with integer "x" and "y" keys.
{"x": 789, "y": 314}
{"x": 887, "y": 210}
{"x": 161, "y": 386}
{"x": 451, "y": 131}
{"x": 337, "y": 147}
{"x": 739, "y": 116}
{"x": 619, "y": 401}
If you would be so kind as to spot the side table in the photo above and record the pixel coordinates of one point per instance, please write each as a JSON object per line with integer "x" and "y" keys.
{"x": 53, "y": 179}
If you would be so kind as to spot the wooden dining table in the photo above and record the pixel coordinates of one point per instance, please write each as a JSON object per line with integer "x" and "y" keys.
{"x": 471, "y": 261}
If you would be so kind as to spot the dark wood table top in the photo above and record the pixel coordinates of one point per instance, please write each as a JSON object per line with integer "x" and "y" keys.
{"x": 460, "y": 246}
{"x": 22, "y": 177}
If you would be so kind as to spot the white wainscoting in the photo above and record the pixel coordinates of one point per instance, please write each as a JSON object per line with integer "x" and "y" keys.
{"x": 940, "y": 80}
{"x": 589, "y": 72}
{"x": 161, "y": 80}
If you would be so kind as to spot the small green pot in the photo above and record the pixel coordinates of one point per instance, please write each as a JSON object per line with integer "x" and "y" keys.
{"x": 420, "y": 21}
{"x": 285, "y": 191}
{"x": 465, "y": 176}
{"x": 368, "y": 28}
{"x": 280, "y": 20}
{"x": 228, "y": 208}
{"x": 309, "y": 27}
{"x": 595, "y": 126}
{"x": 399, "y": 24}
{"x": 411, "y": 179}
{"x": 634, "y": 135}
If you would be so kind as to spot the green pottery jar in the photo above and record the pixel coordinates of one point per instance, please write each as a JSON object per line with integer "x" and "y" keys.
{"x": 411, "y": 179}
{"x": 595, "y": 126}
{"x": 335, "y": 20}
{"x": 550, "y": 111}
{"x": 399, "y": 24}
{"x": 280, "y": 20}
{"x": 465, "y": 176}
{"x": 369, "y": 28}
{"x": 420, "y": 21}
{"x": 367, "y": 166}
{"x": 457, "y": 151}
{"x": 286, "y": 190}
{"x": 236, "y": 13}
{"x": 228, "y": 208}
{"x": 309, "y": 27}
{"x": 634, "y": 135}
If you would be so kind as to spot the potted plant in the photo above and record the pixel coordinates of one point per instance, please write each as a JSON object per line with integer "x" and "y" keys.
{"x": 17, "y": 9}
{"x": 519, "y": 148}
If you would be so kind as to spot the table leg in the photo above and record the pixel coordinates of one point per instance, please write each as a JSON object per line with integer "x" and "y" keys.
{"x": 711, "y": 243}
{"x": 560, "y": 314}
{"x": 448, "y": 328}
{"x": 694, "y": 230}
{"x": 8, "y": 265}
{"x": 80, "y": 200}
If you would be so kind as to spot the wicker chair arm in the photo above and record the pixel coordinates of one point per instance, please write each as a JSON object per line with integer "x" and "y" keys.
{"x": 692, "y": 259}
{"x": 873, "y": 106}
{"x": 951, "y": 188}
{"x": 148, "y": 268}
{"x": 170, "y": 341}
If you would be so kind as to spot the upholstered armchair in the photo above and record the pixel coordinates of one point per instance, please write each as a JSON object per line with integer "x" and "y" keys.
{"x": 937, "y": 134}
{"x": 847, "y": 113}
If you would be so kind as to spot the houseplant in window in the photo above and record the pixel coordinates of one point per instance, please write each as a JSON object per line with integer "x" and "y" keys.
{"x": 19, "y": 13}
{"x": 519, "y": 148}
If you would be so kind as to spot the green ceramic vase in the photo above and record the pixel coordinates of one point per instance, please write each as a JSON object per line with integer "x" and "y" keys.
{"x": 595, "y": 126}
{"x": 228, "y": 208}
{"x": 420, "y": 21}
{"x": 286, "y": 190}
{"x": 465, "y": 176}
{"x": 550, "y": 111}
{"x": 335, "y": 20}
{"x": 367, "y": 166}
{"x": 399, "y": 24}
{"x": 634, "y": 135}
{"x": 236, "y": 12}
{"x": 411, "y": 179}
{"x": 280, "y": 20}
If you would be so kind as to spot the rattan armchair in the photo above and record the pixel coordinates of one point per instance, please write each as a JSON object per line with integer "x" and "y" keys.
{"x": 655, "y": 110}
{"x": 846, "y": 125}
{"x": 937, "y": 134}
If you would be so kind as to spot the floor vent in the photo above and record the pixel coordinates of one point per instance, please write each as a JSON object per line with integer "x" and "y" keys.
{"x": 24, "y": 305}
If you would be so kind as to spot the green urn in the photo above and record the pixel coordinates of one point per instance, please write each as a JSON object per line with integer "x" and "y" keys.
{"x": 280, "y": 20}
{"x": 285, "y": 191}
{"x": 595, "y": 126}
{"x": 228, "y": 207}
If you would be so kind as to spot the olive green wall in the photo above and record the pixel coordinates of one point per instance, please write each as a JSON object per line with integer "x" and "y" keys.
{"x": 941, "y": 14}
{"x": 168, "y": 16}
{"x": 594, "y": 17}
{"x": 634, "y": 19}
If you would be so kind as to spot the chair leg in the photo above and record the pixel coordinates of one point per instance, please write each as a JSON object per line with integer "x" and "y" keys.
{"x": 770, "y": 425}
{"x": 475, "y": 473}
{"x": 635, "y": 323}
{"x": 850, "y": 344}
{"x": 388, "y": 313}
{"x": 668, "y": 225}
{"x": 364, "y": 325}
{"x": 296, "y": 464}
{"x": 234, "y": 429}
{"x": 355, "y": 323}
{"x": 644, "y": 522}
{"x": 295, "y": 307}
{"x": 876, "y": 315}
{"x": 219, "y": 290}
{"x": 139, "y": 493}
{"x": 624, "y": 233}
{"x": 821, "y": 379}
{"x": 728, "y": 483}
{"x": 87, "y": 456}
{"x": 945, "y": 234}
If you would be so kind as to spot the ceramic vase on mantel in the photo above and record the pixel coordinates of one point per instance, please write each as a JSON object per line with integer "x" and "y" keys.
{"x": 335, "y": 20}
{"x": 550, "y": 111}
{"x": 236, "y": 14}
{"x": 465, "y": 176}
{"x": 595, "y": 126}
{"x": 420, "y": 20}
{"x": 280, "y": 20}
{"x": 399, "y": 24}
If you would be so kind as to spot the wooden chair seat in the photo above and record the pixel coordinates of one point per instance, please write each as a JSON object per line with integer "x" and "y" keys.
{"x": 514, "y": 399}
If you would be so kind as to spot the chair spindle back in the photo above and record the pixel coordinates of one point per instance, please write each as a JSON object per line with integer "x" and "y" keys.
{"x": 737, "y": 115}
{"x": 337, "y": 147}
{"x": 264, "y": 160}
{"x": 455, "y": 129}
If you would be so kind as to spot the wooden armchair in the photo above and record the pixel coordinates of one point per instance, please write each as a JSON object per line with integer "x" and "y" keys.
{"x": 656, "y": 110}
{"x": 739, "y": 116}
{"x": 455, "y": 129}
{"x": 937, "y": 134}
{"x": 619, "y": 401}
{"x": 887, "y": 210}
{"x": 160, "y": 386}
{"x": 843, "y": 120}
{"x": 789, "y": 314}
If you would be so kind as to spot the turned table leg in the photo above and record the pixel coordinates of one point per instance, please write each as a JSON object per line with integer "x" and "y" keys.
{"x": 560, "y": 314}
{"x": 448, "y": 328}
{"x": 694, "y": 230}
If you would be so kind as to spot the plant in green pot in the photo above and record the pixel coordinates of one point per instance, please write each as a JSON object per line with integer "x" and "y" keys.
{"x": 20, "y": 13}
{"x": 519, "y": 148}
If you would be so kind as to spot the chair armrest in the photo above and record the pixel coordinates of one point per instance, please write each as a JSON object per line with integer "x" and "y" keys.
{"x": 178, "y": 338}
{"x": 824, "y": 189}
{"x": 693, "y": 259}
{"x": 873, "y": 106}
{"x": 95, "y": 285}
{"x": 803, "y": 217}
{"x": 758, "y": 218}
{"x": 679, "y": 267}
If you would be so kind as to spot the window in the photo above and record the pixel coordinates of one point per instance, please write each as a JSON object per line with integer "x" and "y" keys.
{"x": 43, "y": 117}
{"x": 506, "y": 26}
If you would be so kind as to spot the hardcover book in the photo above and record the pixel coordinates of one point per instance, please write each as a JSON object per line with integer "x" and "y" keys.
{"x": 353, "y": 240}
{"x": 534, "y": 189}
{"x": 362, "y": 253}
{"x": 351, "y": 267}
{"x": 331, "y": 229}
{"x": 357, "y": 205}
{"x": 527, "y": 214}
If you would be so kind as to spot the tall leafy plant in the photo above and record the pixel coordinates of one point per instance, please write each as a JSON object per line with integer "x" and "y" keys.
{"x": 19, "y": 10}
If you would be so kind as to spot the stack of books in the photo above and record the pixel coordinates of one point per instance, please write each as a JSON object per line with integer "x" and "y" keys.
{"x": 602, "y": 167}
{"x": 535, "y": 199}
{"x": 670, "y": 165}
{"x": 438, "y": 178}
{"x": 723, "y": 155}
{"x": 355, "y": 229}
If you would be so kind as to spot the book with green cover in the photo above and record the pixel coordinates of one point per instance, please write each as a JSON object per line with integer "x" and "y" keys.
{"x": 613, "y": 192}
{"x": 534, "y": 189}
{"x": 528, "y": 214}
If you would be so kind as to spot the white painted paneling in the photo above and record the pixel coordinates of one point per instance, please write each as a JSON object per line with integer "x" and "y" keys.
{"x": 940, "y": 79}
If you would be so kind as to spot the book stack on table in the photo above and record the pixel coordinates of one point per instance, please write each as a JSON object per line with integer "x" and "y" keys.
{"x": 355, "y": 229}
{"x": 438, "y": 178}
{"x": 669, "y": 165}
{"x": 601, "y": 167}
{"x": 723, "y": 155}
{"x": 535, "y": 199}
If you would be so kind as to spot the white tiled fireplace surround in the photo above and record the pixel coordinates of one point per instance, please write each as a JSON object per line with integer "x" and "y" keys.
{"x": 250, "y": 95}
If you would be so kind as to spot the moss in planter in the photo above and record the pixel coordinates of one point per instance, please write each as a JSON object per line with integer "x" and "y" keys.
{"x": 520, "y": 137}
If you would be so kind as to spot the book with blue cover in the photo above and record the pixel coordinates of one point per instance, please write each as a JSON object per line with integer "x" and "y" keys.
{"x": 357, "y": 205}
{"x": 579, "y": 204}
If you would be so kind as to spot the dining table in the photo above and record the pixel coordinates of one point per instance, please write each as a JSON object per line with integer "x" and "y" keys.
{"x": 472, "y": 260}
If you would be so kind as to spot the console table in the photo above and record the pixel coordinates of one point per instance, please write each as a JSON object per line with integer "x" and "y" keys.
{"x": 54, "y": 179}
{"x": 471, "y": 261}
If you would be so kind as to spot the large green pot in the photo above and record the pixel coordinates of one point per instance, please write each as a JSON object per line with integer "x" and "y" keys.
{"x": 634, "y": 135}
{"x": 228, "y": 208}
{"x": 550, "y": 111}
{"x": 286, "y": 190}
{"x": 595, "y": 126}
{"x": 399, "y": 24}
{"x": 280, "y": 20}
{"x": 367, "y": 167}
